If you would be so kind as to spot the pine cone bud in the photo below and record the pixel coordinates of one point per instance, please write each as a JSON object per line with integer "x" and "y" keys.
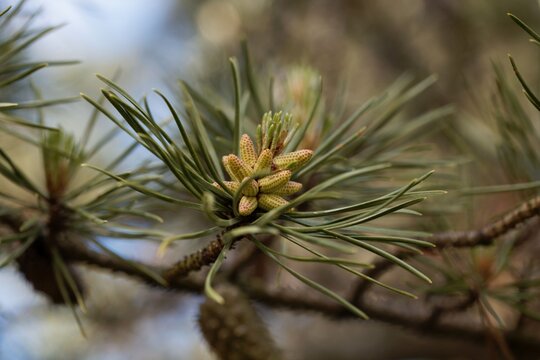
{"x": 247, "y": 205}
{"x": 227, "y": 166}
{"x": 247, "y": 150}
{"x": 270, "y": 201}
{"x": 232, "y": 186}
{"x": 275, "y": 181}
{"x": 237, "y": 169}
{"x": 294, "y": 160}
{"x": 289, "y": 188}
{"x": 251, "y": 189}
{"x": 264, "y": 161}
{"x": 234, "y": 330}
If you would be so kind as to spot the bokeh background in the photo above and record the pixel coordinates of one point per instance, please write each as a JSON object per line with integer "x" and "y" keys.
{"x": 368, "y": 43}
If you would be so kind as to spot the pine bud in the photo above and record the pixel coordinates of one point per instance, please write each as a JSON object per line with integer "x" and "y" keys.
{"x": 289, "y": 188}
{"x": 247, "y": 150}
{"x": 270, "y": 201}
{"x": 247, "y": 205}
{"x": 294, "y": 160}
{"x": 232, "y": 186}
{"x": 227, "y": 166}
{"x": 264, "y": 161}
{"x": 236, "y": 168}
{"x": 273, "y": 182}
{"x": 251, "y": 189}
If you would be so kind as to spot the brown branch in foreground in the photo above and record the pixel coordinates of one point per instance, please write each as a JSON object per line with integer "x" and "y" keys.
{"x": 383, "y": 309}
{"x": 377, "y": 309}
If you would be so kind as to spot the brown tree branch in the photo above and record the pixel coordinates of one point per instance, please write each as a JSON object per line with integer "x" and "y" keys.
{"x": 81, "y": 254}
{"x": 385, "y": 309}
{"x": 484, "y": 236}
{"x": 377, "y": 309}
{"x": 196, "y": 260}
{"x": 77, "y": 252}
{"x": 487, "y": 234}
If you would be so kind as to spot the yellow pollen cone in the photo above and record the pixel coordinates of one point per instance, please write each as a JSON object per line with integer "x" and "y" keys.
{"x": 273, "y": 182}
{"x": 270, "y": 201}
{"x": 294, "y": 160}
{"x": 289, "y": 188}
{"x": 236, "y": 167}
{"x": 247, "y": 150}
{"x": 247, "y": 205}
{"x": 251, "y": 189}
{"x": 264, "y": 161}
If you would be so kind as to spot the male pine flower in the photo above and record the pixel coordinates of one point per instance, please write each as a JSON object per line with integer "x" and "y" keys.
{"x": 269, "y": 169}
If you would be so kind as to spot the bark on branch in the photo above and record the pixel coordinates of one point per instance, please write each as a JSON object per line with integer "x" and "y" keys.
{"x": 379, "y": 310}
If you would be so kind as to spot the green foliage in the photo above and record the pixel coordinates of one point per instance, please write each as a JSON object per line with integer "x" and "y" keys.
{"x": 324, "y": 214}
{"x": 329, "y": 184}
{"x": 502, "y": 274}
{"x": 13, "y": 66}
{"x": 354, "y": 157}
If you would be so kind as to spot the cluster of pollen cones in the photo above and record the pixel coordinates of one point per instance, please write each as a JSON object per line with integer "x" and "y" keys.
{"x": 268, "y": 176}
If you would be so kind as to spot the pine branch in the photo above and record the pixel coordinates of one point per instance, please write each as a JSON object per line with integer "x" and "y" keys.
{"x": 390, "y": 310}
{"x": 484, "y": 236}
{"x": 174, "y": 275}
{"x": 294, "y": 301}
{"x": 386, "y": 309}
{"x": 79, "y": 254}
{"x": 396, "y": 314}
{"x": 489, "y": 233}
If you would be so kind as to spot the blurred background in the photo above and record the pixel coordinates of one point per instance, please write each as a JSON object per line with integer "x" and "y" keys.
{"x": 368, "y": 43}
